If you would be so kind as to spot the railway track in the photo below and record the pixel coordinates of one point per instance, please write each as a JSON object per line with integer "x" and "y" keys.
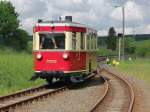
{"x": 21, "y": 93}
{"x": 119, "y": 96}
{"x": 10, "y": 102}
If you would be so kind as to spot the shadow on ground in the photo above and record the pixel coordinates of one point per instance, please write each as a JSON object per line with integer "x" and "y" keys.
{"x": 96, "y": 81}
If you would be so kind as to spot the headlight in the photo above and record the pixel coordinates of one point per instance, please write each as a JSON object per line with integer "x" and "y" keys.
{"x": 65, "y": 56}
{"x": 39, "y": 56}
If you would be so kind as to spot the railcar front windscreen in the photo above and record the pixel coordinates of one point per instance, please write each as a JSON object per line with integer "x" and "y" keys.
{"x": 52, "y": 41}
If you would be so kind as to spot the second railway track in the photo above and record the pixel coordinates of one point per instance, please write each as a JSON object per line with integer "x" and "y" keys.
{"x": 119, "y": 96}
{"x": 10, "y": 102}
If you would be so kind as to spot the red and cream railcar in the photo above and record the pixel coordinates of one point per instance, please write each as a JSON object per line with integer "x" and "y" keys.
{"x": 64, "y": 50}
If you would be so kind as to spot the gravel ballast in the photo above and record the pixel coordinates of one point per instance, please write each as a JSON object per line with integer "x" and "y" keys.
{"x": 74, "y": 100}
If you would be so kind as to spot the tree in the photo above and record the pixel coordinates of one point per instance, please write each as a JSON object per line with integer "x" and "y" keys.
{"x": 111, "y": 39}
{"x": 8, "y": 19}
{"x": 10, "y": 33}
{"x": 19, "y": 40}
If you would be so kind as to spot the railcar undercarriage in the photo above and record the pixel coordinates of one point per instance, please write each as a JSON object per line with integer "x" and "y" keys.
{"x": 61, "y": 76}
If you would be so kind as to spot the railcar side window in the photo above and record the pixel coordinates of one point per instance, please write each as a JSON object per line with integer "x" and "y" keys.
{"x": 91, "y": 41}
{"x": 88, "y": 41}
{"x": 95, "y": 42}
{"x": 74, "y": 40}
{"x": 52, "y": 41}
{"x": 82, "y": 41}
{"x": 93, "y": 38}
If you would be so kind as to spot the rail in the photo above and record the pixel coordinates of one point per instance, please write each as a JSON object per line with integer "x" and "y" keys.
{"x": 9, "y": 105}
{"x": 102, "y": 97}
{"x": 132, "y": 95}
{"x": 106, "y": 96}
{"x": 21, "y": 93}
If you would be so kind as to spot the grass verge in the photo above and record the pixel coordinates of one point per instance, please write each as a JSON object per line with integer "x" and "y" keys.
{"x": 139, "y": 68}
{"x": 15, "y": 71}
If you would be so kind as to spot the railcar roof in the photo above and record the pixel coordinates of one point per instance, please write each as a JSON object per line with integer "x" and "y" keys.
{"x": 60, "y": 21}
{"x": 67, "y": 23}
{"x": 64, "y": 22}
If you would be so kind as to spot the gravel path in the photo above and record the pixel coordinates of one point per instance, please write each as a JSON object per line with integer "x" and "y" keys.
{"x": 75, "y": 100}
{"x": 142, "y": 95}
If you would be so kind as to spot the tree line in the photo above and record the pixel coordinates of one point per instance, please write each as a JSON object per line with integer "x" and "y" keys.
{"x": 11, "y": 35}
{"x": 111, "y": 41}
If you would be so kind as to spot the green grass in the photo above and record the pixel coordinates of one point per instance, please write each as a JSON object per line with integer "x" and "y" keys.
{"x": 15, "y": 71}
{"x": 142, "y": 48}
{"x": 103, "y": 51}
{"x": 143, "y": 43}
{"x": 139, "y": 68}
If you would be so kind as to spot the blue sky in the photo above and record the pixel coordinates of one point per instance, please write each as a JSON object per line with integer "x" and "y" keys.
{"x": 100, "y": 14}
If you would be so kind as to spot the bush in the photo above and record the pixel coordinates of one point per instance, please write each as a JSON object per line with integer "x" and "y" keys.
{"x": 29, "y": 47}
{"x": 142, "y": 51}
{"x": 19, "y": 41}
{"x": 130, "y": 50}
{"x": 129, "y": 47}
{"x": 102, "y": 41}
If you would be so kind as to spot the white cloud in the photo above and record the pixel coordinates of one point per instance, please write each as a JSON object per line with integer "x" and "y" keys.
{"x": 132, "y": 12}
{"x": 30, "y": 8}
{"x": 145, "y": 29}
{"x": 102, "y": 33}
{"x": 28, "y": 24}
{"x": 99, "y": 14}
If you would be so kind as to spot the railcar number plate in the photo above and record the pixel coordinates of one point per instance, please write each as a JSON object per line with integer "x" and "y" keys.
{"x": 51, "y": 61}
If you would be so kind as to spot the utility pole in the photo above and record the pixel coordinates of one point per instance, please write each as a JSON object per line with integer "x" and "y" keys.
{"x": 123, "y": 31}
{"x": 119, "y": 48}
{"x": 120, "y": 35}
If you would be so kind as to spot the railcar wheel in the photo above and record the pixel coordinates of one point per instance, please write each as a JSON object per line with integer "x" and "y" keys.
{"x": 67, "y": 80}
{"x": 49, "y": 80}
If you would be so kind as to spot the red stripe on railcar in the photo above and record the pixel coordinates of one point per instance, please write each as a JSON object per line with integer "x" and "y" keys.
{"x": 59, "y": 29}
